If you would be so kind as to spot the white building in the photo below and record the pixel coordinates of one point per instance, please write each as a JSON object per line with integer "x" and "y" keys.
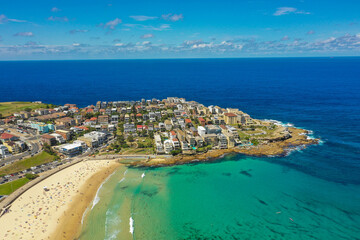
{"x": 60, "y": 139}
{"x": 4, "y": 152}
{"x": 168, "y": 146}
{"x": 201, "y": 130}
{"x": 158, "y": 143}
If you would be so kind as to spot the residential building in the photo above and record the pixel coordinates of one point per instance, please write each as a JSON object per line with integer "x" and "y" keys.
{"x": 230, "y": 118}
{"x": 48, "y": 139}
{"x": 201, "y": 130}
{"x": 103, "y": 119}
{"x": 7, "y": 137}
{"x": 64, "y": 133}
{"x": 4, "y": 151}
{"x": 66, "y": 121}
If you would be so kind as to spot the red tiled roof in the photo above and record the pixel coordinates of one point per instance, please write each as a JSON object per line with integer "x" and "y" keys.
{"x": 47, "y": 136}
{"x": 187, "y": 120}
{"x": 93, "y": 119}
{"x": 201, "y": 119}
{"x": 6, "y": 136}
{"x": 173, "y": 133}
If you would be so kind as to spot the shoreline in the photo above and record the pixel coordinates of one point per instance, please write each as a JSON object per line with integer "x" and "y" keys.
{"x": 299, "y": 138}
{"x": 71, "y": 221}
{"x": 41, "y": 214}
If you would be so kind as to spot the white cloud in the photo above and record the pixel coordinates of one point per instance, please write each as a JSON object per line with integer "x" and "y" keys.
{"x": 58, "y": 19}
{"x": 285, "y": 38}
{"x": 55, "y": 9}
{"x": 288, "y": 10}
{"x": 113, "y": 23}
{"x": 311, "y": 32}
{"x": 78, "y": 31}
{"x": 143, "y": 18}
{"x": 4, "y": 19}
{"x": 147, "y": 36}
{"x": 172, "y": 17}
{"x": 24, "y": 34}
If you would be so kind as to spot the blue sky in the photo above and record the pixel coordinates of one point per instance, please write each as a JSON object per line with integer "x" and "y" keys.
{"x": 97, "y": 29}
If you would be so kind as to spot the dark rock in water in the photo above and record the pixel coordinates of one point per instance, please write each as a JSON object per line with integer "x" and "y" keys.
{"x": 149, "y": 193}
{"x": 226, "y": 174}
{"x": 246, "y": 173}
{"x": 262, "y": 202}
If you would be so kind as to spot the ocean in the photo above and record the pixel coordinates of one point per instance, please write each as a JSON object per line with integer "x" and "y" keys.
{"x": 312, "y": 193}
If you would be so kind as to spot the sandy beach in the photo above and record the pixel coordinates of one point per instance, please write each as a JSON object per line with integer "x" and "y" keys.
{"x": 56, "y": 213}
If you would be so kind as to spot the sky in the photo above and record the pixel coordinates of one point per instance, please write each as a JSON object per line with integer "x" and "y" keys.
{"x": 114, "y": 29}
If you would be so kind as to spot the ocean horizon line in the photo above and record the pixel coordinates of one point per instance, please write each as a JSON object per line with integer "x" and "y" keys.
{"x": 177, "y": 58}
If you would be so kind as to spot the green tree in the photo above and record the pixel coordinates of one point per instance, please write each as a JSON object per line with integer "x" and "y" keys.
{"x": 31, "y": 176}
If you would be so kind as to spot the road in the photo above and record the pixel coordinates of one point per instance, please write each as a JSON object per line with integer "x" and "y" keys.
{"x": 32, "y": 140}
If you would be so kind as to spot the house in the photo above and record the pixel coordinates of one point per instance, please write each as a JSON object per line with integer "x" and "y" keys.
{"x": 176, "y": 143}
{"x": 94, "y": 139}
{"x": 201, "y": 130}
{"x": 66, "y": 121}
{"x": 139, "y": 128}
{"x": 48, "y": 139}
{"x": 201, "y": 121}
{"x": 15, "y": 147}
{"x": 212, "y": 129}
{"x": 194, "y": 131}
{"x": 168, "y": 146}
{"x": 190, "y": 139}
{"x": 4, "y": 151}
{"x": 129, "y": 128}
{"x": 103, "y": 119}
{"x": 230, "y": 118}
{"x": 168, "y": 125}
{"x": 199, "y": 141}
{"x": 64, "y": 133}
{"x": 223, "y": 143}
{"x": 210, "y": 139}
{"x": 158, "y": 144}
{"x": 59, "y": 138}
{"x": 7, "y": 137}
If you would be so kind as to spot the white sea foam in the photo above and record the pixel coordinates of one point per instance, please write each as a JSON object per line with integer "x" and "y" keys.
{"x": 124, "y": 176}
{"x": 131, "y": 222}
{"x": 143, "y": 175}
{"x": 83, "y": 216}
{"x": 111, "y": 225}
{"x": 97, "y": 198}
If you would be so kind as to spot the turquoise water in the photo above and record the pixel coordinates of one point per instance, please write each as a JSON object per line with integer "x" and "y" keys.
{"x": 236, "y": 197}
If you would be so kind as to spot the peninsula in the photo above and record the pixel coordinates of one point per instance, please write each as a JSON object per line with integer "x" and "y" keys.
{"x": 169, "y": 131}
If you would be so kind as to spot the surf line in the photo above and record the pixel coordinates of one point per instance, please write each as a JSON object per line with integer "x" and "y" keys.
{"x": 131, "y": 223}
{"x": 123, "y": 177}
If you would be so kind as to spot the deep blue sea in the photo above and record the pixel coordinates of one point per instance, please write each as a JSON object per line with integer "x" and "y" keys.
{"x": 319, "y": 94}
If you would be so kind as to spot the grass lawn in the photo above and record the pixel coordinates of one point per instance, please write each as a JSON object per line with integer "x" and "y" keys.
{"x": 8, "y": 108}
{"x": 135, "y": 151}
{"x": 8, "y": 188}
{"x": 21, "y": 165}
